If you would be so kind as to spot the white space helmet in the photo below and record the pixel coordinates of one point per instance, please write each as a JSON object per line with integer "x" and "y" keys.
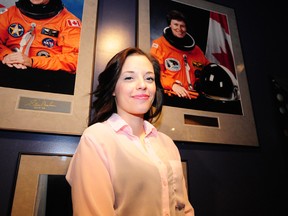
{"x": 217, "y": 82}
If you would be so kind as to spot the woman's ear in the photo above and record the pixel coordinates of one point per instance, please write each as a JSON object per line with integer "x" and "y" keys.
{"x": 113, "y": 94}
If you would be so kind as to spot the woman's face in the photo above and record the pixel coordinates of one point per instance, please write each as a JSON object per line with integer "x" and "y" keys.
{"x": 135, "y": 89}
{"x": 178, "y": 28}
{"x": 39, "y": 1}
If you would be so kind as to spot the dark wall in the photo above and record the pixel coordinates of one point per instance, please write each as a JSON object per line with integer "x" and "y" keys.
{"x": 224, "y": 180}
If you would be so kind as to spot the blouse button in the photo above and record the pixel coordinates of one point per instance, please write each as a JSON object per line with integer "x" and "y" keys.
{"x": 164, "y": 183}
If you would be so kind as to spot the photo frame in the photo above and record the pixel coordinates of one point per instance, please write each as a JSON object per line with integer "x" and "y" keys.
{"x": 31, "y": 196}
{"x": 185, "y": 173}
{"x": 234, "y": 125}
{"x": 32, "y": 187}
{"x": 37, "y": 111}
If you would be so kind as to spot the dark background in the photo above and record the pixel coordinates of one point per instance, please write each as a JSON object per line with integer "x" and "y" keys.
{"x": 224, "y": 180}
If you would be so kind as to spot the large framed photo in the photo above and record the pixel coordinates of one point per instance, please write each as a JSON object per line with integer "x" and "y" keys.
{"x": 40, "y": 185}
{"x": 63, "y": 110}
{"x": 215, "y": 115}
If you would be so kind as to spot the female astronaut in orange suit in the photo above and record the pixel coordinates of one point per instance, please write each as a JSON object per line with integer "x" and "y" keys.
{"x": 179, "y": 57}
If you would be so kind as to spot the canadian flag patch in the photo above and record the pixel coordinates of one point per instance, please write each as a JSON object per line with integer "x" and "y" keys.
{"x": 155, "y": 45}
{"x": 73, "y": 23}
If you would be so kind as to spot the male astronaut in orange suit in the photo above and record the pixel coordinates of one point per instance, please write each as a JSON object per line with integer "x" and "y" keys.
{"x": 40, "y": 34}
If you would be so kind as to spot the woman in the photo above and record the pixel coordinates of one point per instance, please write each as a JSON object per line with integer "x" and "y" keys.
{"x": 179, "y": 56}
{"x": 123, "y": 166}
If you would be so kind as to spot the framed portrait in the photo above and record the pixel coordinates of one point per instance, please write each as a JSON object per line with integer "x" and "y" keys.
{"x": 46, "y": 107}
{"x": 215, "y": 114}
{"x": 40, "y": 185}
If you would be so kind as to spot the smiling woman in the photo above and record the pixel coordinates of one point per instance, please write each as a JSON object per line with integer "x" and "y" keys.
{"x": 121, "y": 147}
{"x": 105, "y": 103}
{"x": 135, "y": 89}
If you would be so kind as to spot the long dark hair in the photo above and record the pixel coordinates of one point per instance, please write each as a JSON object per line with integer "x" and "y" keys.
{"x": 104, "y": 105}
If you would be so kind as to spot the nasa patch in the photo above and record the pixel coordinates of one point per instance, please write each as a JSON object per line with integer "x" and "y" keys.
{"x": 48, "y": 42}
{"x": 172, "y": 64}
{"x": 16, "y": 30}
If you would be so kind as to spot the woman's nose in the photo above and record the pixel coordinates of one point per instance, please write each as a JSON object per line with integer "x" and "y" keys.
{"x": 141, "y": 84}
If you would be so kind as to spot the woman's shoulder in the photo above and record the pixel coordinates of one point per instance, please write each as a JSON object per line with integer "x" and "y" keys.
{"x": 97, "y": 128}
{"x": 167, "y": 142}
{"x": 99, "y": 133}
{"x": 164, "y": 136}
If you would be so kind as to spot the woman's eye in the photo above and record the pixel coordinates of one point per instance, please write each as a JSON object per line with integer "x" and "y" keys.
{"x": 128, "y": 78}
{"x": 150, "y": 78}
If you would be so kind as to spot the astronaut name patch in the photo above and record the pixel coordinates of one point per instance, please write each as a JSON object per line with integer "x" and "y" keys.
{"x": 49, "y": 32}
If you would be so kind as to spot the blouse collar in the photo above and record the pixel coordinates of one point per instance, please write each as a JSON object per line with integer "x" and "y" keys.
{"x": 118, "y": 124}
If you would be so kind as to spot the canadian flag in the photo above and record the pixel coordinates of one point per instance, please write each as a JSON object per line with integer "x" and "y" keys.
{"x": 219, "y": 45}
{"x": 2, "y": 9}
{"x": 73, "y": 23}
